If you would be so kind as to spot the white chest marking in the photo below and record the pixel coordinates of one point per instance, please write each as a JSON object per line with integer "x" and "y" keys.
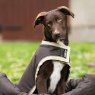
{"x": 55, "y": 76}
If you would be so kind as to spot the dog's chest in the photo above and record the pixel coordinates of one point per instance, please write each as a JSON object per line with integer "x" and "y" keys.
{"x": 55, "y": 76}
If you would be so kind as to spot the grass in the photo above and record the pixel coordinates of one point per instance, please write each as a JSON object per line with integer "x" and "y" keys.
{"x": 14, "y": 58}
{"x": 82, "y": 54}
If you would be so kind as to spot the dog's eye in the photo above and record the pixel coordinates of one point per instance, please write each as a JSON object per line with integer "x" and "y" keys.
{"x": 59, "y": 20}
{"x": 49, "y": 24}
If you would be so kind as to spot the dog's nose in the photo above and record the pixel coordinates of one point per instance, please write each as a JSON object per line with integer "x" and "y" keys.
{"x": 56, "y": 34}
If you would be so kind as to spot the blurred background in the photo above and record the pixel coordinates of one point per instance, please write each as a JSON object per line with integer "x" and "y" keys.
{"x": 19, "y": 40}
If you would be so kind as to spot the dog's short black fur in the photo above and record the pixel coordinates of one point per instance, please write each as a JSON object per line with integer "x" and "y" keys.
{"x": 55, "y": 28}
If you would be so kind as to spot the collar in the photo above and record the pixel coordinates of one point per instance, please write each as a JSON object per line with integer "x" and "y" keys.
{"x": 66, "y": 48}
{"x": 55, "y": 44}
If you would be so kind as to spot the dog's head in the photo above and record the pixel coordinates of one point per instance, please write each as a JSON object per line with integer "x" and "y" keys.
{"x": 54, "y": 22}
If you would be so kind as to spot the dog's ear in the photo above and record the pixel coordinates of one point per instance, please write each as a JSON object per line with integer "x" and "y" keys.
{"x": 40, "y": 18}
{"x": 65, "y": 10}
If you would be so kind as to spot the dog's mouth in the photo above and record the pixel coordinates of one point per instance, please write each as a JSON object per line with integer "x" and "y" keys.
{"x": 61, "y": 39}
{"x": 58, "y": 37}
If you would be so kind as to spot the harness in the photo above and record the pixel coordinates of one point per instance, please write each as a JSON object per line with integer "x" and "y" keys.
{"x": 53, "y": 51}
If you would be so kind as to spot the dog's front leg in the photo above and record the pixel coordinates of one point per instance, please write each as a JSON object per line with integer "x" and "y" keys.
{"x": 61, "y": 87}
{"x": 41, "y": 84}
{"x": 62, "y": 83}
{"x": 43, "y": 76}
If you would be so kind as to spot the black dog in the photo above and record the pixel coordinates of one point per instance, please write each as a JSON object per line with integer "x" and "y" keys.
{"x": 54, "y": 72}
{"x": 49, "y": 68}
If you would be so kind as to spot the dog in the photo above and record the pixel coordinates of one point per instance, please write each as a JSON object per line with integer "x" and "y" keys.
{"x": 55, "y": 25}
{"x": 50, "y": 73}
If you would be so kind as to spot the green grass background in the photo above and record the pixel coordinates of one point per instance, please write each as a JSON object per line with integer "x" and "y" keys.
{"x": 15, "y": 56}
